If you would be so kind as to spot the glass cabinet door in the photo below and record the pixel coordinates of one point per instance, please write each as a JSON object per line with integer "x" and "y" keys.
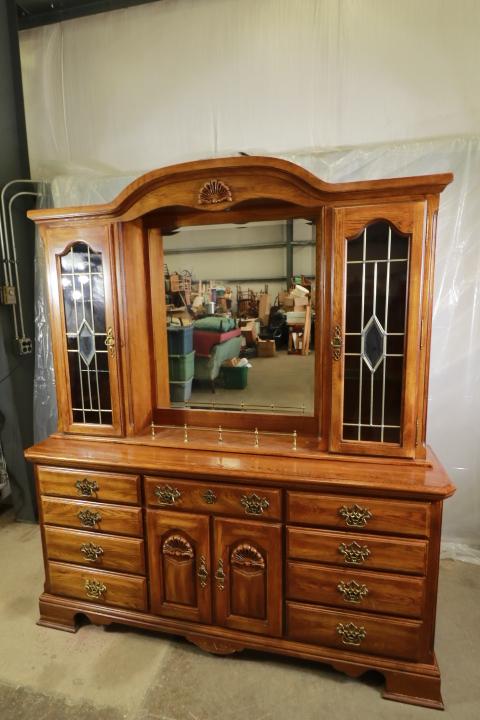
{"x": 84, "y": 334}
{"x": 375, "y": 334}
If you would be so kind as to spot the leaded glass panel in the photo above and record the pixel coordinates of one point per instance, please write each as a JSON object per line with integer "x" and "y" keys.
{"x": 375, "y": 318}
{"x": 83, "y": 292}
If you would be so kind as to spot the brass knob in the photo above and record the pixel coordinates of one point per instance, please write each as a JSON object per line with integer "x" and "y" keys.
{"x": 88, "y": 518}
{"x": 351, "y": 634}
{"x": 220, "y": 576}
{"x": 95, "y": 589}
{"x": 253, "y": 504}
{"x": 209, "y": 497}
{"x": 167, "y": 495}
{"x": 202, "y": 572}
{"x": 352, "y": 591}
{"x": 91, "y": 552}
{"x": 87, "y": 487}
{"x": 355, "y": 516}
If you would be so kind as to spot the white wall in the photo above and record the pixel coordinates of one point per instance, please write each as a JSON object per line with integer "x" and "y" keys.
{"x": 176, "y": 80}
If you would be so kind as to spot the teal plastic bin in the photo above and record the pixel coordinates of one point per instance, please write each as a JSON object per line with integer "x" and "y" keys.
{"x": 181, "y": 367}
{"x": 235, "y": 378}
{"x": 181, "y": 391}
{"x": 180, "y": 339}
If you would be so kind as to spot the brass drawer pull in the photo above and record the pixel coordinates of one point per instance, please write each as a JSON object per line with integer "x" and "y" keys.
{"x": 351, "y": 634}
{"x": 88, "y": 518}
{"x": 91, "y": 552}
{"x": 253, "y": 504}
{"x": 220, "y": 576}
{"x": 95, "y": 589}
{"x": 87, "y": 487}
{"x": 209, "y": 497}
{"x": 354, "y": 554}
{"x": 352, "y": 591}
{"x": 167, "y": 495}
{"x": 355, "y": 516}
{"x": 202, "y": 572}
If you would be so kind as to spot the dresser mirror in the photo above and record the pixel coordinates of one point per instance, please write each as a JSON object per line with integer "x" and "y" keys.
{"x": 240, "y": 307}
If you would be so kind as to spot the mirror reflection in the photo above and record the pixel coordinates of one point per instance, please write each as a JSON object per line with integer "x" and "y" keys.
{"x": 240, "y": 305}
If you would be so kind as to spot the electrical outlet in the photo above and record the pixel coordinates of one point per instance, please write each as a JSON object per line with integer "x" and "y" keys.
{"x": 25, "y": 346}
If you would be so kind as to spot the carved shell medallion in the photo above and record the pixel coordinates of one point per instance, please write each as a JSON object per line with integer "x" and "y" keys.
{"x": 214, "y": 191}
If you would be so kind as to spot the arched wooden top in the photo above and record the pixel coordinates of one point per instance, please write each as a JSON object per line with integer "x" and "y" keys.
{"x": 223, "y": 183}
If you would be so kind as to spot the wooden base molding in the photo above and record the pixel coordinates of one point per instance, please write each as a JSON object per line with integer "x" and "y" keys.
{"x": 411, "y": 683}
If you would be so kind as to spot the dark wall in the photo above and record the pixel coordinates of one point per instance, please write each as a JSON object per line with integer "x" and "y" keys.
{"x": 16, "y": 372}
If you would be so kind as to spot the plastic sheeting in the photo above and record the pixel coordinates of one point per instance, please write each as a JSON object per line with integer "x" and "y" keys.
{"x": 454, "y": 398}
{"x": 183, "y": 79}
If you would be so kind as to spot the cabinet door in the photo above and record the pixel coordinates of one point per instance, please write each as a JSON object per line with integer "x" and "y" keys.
{"x": 84, "y": 336}
{"x": 179, "y": 560}
{"x": 248, "y": 576}
{"x": 376, "y": 331}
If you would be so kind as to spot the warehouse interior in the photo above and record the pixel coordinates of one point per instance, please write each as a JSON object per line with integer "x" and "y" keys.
{"x": 95, "y": 94}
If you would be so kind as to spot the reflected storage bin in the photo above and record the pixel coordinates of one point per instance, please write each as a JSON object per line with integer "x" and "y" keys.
{"x": 180, "y": 339}
{"x": 181, "y": 391}
{"x": 181, "y": 367}
{"x": 235, "y": 378}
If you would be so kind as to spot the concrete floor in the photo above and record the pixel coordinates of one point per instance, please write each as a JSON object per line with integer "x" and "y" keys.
{"x": 121, "y": 674}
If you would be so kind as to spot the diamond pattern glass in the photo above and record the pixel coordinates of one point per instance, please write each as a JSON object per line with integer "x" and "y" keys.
{"x": 373, "y": 343}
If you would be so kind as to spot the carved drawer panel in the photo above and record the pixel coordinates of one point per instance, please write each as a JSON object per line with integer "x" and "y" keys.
{"x": 106, "y": 588}
{"x": 87, "y": 548}
{"x": 87, "y": 485}
{"x": 355, "y": 632}
{"x": 356, "y": 589}
{"x": 354, "y": 513}
{"x": 218, "y": 499}
{"x": 358, "y": 551}
{"x": 92, "y": 516}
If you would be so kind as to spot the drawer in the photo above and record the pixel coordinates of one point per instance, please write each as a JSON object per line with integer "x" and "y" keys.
{"x": 355, "y": 632}
{"x": 239, "y": 501}
{"x": 356, "y": 589}
{"x": 118, "y": 488}
{"x": 107, "y": 588}
{"x": 87, "y": 548}
{"x": 92, "y": 516}
{"x": 364, "y": 551}
{"x": 354, "y": 513}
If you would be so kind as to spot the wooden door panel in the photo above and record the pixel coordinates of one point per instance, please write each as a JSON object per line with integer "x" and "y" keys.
{"x": 378, "y": 253}
{"x": 83, "y": 311}
{"x": 248, "y": 576}
{"x": 179, "y": 561}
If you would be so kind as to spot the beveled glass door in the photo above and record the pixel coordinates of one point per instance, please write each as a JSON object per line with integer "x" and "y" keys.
{"x": 84, "y": 331}
{"x": 375, "y": 334}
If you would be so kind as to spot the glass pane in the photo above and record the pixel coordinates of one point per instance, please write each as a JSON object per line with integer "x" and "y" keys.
{"x": 375, "y": 311}
{"x": 84, "y": 306}
{"x": 241, "y": 312}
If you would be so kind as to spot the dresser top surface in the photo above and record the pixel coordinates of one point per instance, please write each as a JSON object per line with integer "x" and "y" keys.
{"x": 378, "y": 476}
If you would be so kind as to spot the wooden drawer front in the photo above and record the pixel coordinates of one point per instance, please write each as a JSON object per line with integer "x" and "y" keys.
{"x": 359, "y": 551}
{"x": 107, "y": 588}
{"x": 355, "y": 632}
{"x": 239, "y": 501}
{"x": 92, "y": 516}
{"x": 108, "y": 551}
{"x": 356, "y": 589}
{"x": 353, "y": 513}
{"x": 88, "y": 485}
